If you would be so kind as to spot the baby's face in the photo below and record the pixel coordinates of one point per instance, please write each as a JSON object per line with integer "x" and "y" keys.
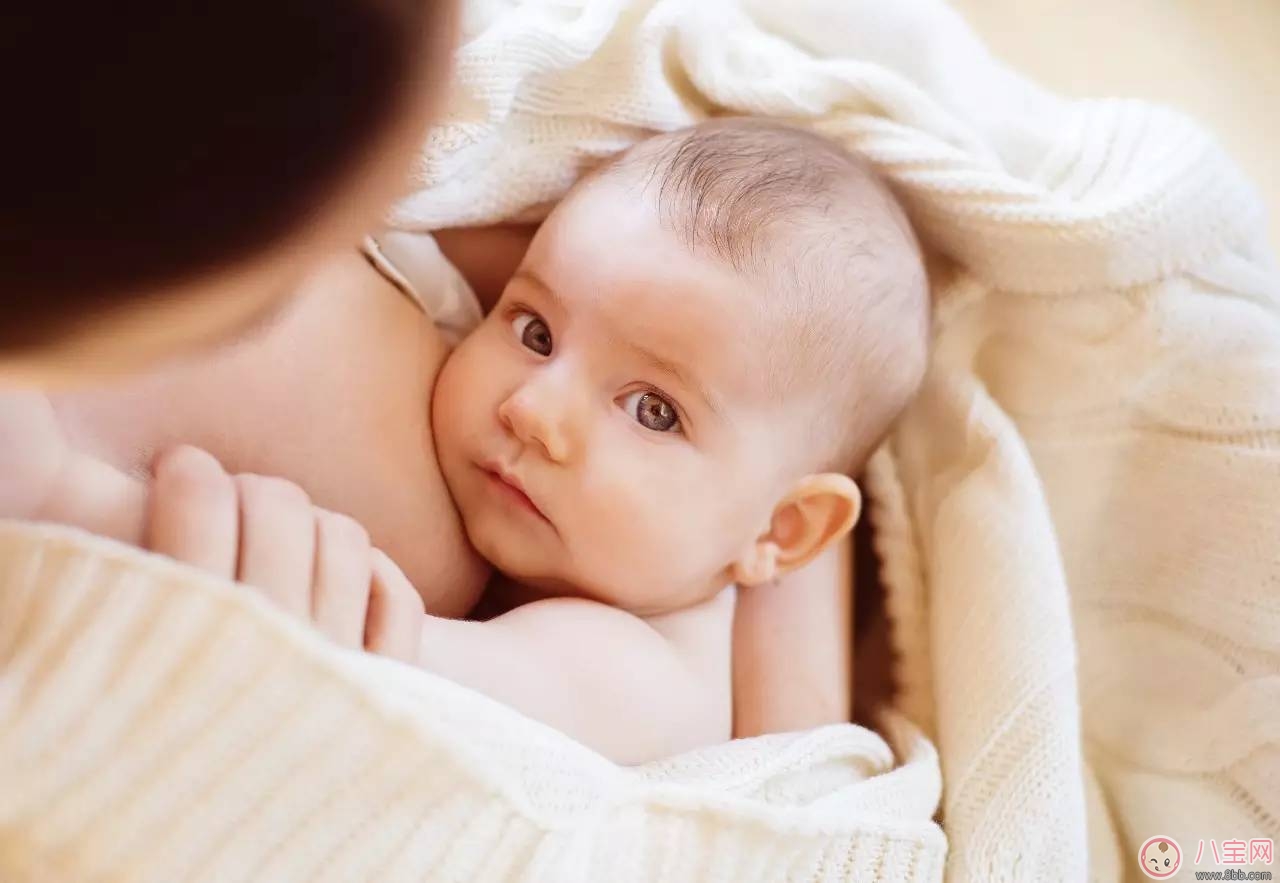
{"x": 607, "y": 431}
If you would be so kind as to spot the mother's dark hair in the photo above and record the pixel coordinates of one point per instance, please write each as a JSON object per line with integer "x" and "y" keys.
{"x": 147, "y": 141}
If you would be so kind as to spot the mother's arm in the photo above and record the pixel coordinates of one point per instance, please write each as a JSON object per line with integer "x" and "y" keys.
{"x": 792, "y": 649}
{"x": 486, "y": 256}
{"x": 42, "y": 478}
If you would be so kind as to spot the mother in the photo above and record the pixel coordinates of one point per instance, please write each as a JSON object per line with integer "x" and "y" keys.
{"x": 167, "y": 199}
{"x": 186, "y": 177}
{"x": 177, "y": 172}
{"x": 241, "y": 239}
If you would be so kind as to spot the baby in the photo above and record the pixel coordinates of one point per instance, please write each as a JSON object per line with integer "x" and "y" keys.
{"x": 705, "y": 338}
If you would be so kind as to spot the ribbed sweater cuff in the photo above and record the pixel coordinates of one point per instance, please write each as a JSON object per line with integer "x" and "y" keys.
{"x": 159, "y": 725}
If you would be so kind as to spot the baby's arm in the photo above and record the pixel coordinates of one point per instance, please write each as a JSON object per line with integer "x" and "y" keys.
{"x": 632, "y": 689}
{"x": 792, "y": 649}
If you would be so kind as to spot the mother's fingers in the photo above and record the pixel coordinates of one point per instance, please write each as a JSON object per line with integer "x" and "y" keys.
{"x": 194, "y": 516}
{"x": 394, "y": 624}
{"x": 277, "y": 541}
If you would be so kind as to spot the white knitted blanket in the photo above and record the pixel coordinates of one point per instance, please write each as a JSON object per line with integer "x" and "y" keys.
{"x": 1079, "y": 517}
{"x": 1078, "y": 522}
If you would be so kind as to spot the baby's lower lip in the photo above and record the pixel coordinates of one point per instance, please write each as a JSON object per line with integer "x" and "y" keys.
{"x": 513, "y": 493}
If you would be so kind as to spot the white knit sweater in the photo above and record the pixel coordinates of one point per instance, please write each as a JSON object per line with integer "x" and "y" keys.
{"x": 1078, "y": 521}
{"x": 1080, "y": 517}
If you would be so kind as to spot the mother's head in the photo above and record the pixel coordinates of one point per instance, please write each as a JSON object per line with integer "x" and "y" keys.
{"x": 173, "y": 169}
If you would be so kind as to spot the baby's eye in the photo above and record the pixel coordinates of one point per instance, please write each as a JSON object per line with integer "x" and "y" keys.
{"x": 533, "y": 332}
{"x": 652, "y": 411}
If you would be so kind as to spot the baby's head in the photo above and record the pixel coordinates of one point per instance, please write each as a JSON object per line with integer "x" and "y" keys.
{"x": 706, "y": 337}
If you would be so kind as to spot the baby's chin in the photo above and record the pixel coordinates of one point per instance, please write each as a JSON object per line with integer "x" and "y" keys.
{"x": 541, "y": 579}
{"x": 547, "y": 571}
{"x": 540, "y": 572}
{"x": 514, "y": 559}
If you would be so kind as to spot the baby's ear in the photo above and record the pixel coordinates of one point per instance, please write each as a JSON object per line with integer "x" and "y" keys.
{"x": 819, "y": 510}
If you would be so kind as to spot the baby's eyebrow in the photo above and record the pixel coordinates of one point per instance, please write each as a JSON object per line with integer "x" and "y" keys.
{"x": 527, "y": 274}
{"x": 686, "y": 378}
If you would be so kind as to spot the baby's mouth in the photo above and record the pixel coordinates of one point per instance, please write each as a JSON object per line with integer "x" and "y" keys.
{"x": 509, "y": 485}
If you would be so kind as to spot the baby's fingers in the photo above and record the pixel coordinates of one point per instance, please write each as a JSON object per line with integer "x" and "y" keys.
{"x": 394, "y": 624}
{"x": 277, "y": 541}
{"x": 194, "y": 516}
{"x": 344, "y": 571}
{"x": 264, "y": 532}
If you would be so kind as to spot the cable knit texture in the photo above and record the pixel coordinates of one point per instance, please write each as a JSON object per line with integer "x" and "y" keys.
{"x": 158, "y": 725}
{"x": 1077, "y": 519}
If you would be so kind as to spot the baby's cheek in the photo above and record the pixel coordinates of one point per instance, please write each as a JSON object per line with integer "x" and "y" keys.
{"x": 621, "y": 518}
{"x": 459, "y": 400}
{"x": 735, "y": 512}
{"x": 663, "y": 515}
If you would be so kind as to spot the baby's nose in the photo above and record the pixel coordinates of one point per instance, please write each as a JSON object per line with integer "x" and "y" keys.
{"x": 539, "y": 413}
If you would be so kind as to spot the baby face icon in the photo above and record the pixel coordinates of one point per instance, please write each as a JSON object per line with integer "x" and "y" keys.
{"x": 1160, "y": 857}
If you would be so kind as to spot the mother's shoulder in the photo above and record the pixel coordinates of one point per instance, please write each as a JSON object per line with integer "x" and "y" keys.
{"x": 32, "y": 452}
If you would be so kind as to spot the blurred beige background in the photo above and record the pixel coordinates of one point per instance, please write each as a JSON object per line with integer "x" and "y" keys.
{"x": 1218, "y": 60}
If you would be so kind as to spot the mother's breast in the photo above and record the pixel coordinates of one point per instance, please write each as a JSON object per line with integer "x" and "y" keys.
{"x": 334, "y": 395}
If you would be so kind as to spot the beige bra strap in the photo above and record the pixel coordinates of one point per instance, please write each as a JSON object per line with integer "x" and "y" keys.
{"x": 373, "y": 254}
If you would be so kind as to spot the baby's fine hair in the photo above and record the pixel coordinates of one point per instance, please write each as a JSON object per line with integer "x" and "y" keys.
{"x": 835, "y": 252}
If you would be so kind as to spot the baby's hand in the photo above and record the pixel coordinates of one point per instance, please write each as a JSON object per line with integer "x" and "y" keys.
{"x": 264, "y": 532}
